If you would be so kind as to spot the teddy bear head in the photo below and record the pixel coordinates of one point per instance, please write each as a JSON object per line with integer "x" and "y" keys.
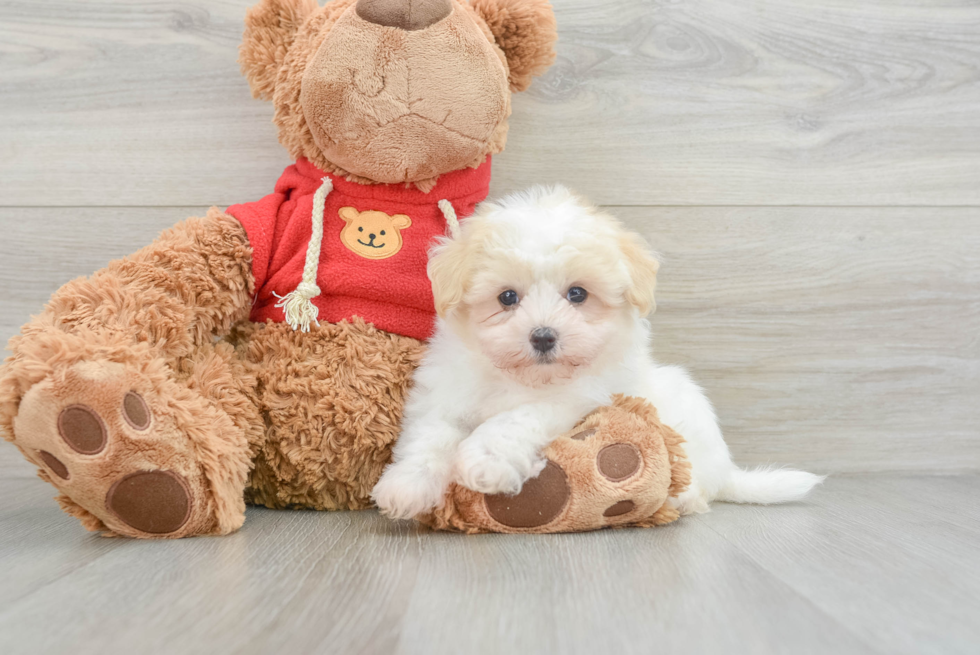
{"x": 395, "y": 91}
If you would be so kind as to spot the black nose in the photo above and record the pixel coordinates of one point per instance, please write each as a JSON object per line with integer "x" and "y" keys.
{"x": 371, "y": 236}
{"x": 544, "y": 339}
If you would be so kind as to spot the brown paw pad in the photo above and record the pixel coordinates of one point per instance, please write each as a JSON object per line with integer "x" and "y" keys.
{"x": 619, "y": 461}
{"x": 154, "y": 502}
{"x": 56, "y": 465}
{"x": 135, "y": 411}
{"x": 584, "y": 434}
{"x": 82, "y": 429}
{"x": 540, "y": 501}
{"x": 620, "y": 508}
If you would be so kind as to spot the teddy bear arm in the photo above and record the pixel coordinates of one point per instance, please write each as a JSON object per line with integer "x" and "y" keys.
{"x": 162, "y": 302}
{"x": 194, "y": 282}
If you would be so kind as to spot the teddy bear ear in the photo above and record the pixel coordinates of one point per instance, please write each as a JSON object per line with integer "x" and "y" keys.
{"x": 526, "y": 31}
{"x": 270, "y": 27}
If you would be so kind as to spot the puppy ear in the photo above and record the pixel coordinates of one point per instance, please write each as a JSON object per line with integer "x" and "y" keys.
{"x": 270, "y": 27}
{"x": 449, "y": 265}
{"x": 642, "y": 267}
{"x": 349, "y": 214}
{"x": 526, "y": 31}
{"x": 400, "y": 221}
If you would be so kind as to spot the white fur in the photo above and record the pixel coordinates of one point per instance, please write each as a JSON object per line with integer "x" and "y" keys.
{"x": 484, "y": 403}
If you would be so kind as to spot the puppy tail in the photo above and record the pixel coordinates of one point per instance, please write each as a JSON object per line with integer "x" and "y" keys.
{"x": 767, "y": 486}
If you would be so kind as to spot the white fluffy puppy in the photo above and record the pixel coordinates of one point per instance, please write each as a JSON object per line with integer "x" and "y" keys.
{"x": 542, "y": 302}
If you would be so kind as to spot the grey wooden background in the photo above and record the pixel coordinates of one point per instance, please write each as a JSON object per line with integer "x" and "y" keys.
{"x": 808, "y": 169}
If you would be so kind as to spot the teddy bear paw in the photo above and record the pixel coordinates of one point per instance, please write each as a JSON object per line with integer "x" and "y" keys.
{"x": 618, "y": 467}
{"x": 94, "y": 434}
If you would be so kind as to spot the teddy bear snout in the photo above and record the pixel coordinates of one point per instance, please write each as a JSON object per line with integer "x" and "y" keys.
{"x": 407, "y": 15}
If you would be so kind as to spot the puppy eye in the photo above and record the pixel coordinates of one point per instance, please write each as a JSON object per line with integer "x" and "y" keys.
{"x": 382, "y": 232}
{"x": 508, "y": 298}
{"x": 577, "y": 295}
{"x": 360, "y": 229}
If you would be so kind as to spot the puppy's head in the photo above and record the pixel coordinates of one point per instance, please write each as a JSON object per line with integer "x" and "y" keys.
{"x": 544, "y": 285}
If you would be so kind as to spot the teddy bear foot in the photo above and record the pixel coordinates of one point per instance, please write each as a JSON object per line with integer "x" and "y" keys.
{"x": 104, "y": 435}
{"x": 618, "y": 467}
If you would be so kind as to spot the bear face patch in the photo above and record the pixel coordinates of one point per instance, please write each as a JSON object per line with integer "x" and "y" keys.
{"x": 373, "y": 234}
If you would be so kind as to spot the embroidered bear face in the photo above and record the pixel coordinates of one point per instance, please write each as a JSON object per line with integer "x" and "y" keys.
{"x": 373, "y": 234}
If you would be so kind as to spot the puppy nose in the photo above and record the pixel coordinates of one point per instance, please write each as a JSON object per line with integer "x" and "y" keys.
{"x": 407, "y": 15}
{"x": 544, "y": 339}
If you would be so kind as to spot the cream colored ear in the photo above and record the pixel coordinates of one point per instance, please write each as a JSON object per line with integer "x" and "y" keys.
{"x": 643, "y": 269}
{"x": 449, "y": 266}
{"x": 349, "y": 214}
{"x": 400, "y": 221}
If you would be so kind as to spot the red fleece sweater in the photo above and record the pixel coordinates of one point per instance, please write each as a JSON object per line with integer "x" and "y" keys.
{"x": 374, "y": 251}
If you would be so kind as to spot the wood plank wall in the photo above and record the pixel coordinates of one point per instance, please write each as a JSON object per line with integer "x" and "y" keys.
{"x": 809, "y": 171}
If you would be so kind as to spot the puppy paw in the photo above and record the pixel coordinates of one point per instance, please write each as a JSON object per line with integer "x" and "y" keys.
{"x": 692, "y": 501}
{"x": 485, "y": 472}
{"x": 404, "y": 492}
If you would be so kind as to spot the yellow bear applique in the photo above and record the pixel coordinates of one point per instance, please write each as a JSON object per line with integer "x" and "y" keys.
{"x": 373, "y": 234}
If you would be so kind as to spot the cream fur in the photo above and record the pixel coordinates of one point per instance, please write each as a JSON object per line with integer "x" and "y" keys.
{"x": 485, "y": 403}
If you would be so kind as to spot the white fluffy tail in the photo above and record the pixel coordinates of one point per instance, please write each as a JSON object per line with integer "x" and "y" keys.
{"x": 766, "y": 486}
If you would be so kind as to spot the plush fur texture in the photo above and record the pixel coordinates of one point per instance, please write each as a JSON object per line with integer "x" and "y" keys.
{"x": 227, "y": 410}
{"x": 526, "y": 33}
{"x": 590, "y": 499}
{"x": 488, "y": 401}
{"x": 331, "y": 403}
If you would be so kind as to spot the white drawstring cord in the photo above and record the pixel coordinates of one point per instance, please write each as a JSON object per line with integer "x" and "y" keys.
{"x": 298, "y": 305}
{"x": 449, "y": 212}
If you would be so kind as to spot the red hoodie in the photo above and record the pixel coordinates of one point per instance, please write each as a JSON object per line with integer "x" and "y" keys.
{"x": 374, "y": 251}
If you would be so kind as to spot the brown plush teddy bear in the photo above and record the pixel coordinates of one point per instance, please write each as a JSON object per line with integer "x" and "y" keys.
{"x": 164, "y": 392}
{"x": 262, "y": 354}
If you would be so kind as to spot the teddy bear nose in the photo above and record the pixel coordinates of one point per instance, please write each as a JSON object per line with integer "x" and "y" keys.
{"x": 404, "y": 14}
{"x": 371, "y": 236}
{"x": 544, "y": 339}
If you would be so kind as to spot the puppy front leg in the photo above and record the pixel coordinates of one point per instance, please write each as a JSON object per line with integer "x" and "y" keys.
{"x": 505, "y": 451}
{"x": 421, "y": 470}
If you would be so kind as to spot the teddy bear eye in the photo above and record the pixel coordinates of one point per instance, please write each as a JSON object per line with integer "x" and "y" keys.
{"x": 577, "y": 295}
{"x": 509, "y": 298}
{"x": 360, "y": 229}
{"x": 382, "y": 232}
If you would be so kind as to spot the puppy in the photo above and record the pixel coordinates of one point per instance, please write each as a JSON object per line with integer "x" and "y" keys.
{"x": 542, "y": 302}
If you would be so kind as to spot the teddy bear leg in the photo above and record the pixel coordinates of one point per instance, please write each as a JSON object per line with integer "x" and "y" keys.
{"x": 619, "y": 467}
{"x": 331, "y": 400}
{"x": 139, "y": 446}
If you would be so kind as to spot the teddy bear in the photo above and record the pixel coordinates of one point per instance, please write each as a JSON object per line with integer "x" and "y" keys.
{"x": 261, "y": 354}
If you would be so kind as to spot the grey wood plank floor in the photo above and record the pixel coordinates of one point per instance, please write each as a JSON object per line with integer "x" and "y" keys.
{"x": 873, "y": 563}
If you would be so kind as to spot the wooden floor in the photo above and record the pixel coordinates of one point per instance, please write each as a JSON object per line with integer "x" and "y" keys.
{"x": 809, "y": 171}
{"x": 873, "y": 563}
